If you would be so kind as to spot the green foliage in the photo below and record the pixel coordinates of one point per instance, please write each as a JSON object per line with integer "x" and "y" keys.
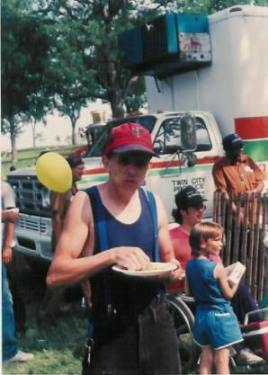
{"x": 24, "y": 54}
{"x": 85, "y": 61}
{"x": 62, "y": 54}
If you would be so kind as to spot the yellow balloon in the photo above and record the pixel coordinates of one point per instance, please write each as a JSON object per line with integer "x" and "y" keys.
{"x": 54, "y": 172}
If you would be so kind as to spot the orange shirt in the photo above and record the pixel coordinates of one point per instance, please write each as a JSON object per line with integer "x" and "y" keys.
{"x": 242, "y": 177}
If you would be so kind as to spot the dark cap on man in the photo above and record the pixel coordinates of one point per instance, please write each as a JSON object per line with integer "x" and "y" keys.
{"x": 74, "y": 160}
{"x": 188, "y": 197}
{"x": 232, "y": 142}
{"x": 129, "y": 137}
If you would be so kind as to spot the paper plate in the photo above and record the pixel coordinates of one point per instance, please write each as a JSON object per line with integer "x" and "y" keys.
{"x": 156, "y": 269}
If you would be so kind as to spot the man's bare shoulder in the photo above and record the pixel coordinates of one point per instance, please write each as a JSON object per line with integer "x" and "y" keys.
{"x": 80, "y": 199}
{"x": 79, "y": 210}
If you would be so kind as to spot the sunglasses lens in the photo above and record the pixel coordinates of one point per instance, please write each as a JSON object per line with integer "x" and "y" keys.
{"x": 139, "y": 161}
{"x": 124, "y": 159}
{"x": 198, "y": 208}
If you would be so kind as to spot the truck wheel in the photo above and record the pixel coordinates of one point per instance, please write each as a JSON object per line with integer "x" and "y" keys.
{"x": 184, "y": 321}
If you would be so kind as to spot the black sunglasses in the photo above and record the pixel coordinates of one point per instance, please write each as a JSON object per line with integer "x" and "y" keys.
{"x": 198, "y": 207}
{"x": 138, "y": 160}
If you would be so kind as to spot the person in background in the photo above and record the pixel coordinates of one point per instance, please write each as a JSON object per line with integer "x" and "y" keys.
{"x": 233, "y": 174}
{"x": 9, "y": 217}
{"x": 236, "y": 172}
{"x": 61, "y": 201}
{"x": 189, "y": 211}
{"x": 54, "y": 299}
{"x": 114, "y": 224}
{"x": 216, "y": 327}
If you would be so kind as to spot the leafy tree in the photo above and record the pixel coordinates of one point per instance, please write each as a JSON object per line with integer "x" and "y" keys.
{"x": 68, "y": 83}
{"x": 89, "y": 31}
{"x": 87, "y": 50}
{"x": 39, "y": 107}
{"x": 24, "y": 51}
{"x": 62, "y": 53}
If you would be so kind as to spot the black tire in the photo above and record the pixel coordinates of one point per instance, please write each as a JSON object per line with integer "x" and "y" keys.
{"x": 184, "y": 321}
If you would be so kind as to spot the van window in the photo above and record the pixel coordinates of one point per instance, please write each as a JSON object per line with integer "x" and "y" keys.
{"x": 168, "y": 139}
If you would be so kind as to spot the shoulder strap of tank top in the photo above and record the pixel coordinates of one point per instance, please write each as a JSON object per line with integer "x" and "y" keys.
{"x": 101, "y": 229}
{"x": 153, "y": 209}
{"x": 100, "y": 222}
{"x": 100, "y": 219}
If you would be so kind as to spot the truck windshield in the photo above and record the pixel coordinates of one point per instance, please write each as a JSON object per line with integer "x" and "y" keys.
{"x": 97, "y": 147}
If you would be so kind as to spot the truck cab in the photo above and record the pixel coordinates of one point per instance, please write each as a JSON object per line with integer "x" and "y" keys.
{"x": 175, "y": 167}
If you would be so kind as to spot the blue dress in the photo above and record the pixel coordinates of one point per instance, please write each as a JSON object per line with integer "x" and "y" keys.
{"x": 215, "y": 322}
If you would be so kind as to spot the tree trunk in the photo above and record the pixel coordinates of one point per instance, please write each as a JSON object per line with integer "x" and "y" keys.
{"x": 33, "y": 133}
{"x": 73, "y": 122}
{"x": 116, "y": 104}
{"x": 13, "y": 142}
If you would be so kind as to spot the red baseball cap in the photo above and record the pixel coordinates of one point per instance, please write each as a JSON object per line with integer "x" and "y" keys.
{"x": 129, "y": 137}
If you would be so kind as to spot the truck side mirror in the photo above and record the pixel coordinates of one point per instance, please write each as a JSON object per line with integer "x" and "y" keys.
{"x": 188, "y": 133}
{"x": 191, "y": 159}
{"x": 158, "y": 147}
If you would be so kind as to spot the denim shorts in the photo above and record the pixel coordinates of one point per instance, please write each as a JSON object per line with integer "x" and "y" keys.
{"x": 216, "y": 328}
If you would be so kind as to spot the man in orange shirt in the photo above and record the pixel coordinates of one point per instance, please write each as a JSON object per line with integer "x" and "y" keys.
{"x": 236, "y": 173}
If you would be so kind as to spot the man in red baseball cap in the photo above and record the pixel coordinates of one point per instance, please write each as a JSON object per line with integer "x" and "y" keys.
{"x": 114, "y": 224}
{"x": 129, "y": 137}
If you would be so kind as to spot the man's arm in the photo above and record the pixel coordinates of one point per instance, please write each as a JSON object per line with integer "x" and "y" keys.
{"x": 259, "y": 177}
{"x": 8, "y": 242}
{"x": 69, "y": 266}
{"x": 9, "y": 216}
{"x": 219, "y": 179}
{"x": 221, "y": 185}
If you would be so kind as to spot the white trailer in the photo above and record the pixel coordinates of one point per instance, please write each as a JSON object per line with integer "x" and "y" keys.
{"x": 234, "y": 88}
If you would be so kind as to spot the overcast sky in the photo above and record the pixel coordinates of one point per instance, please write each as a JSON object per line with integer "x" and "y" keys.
{"x": 57, "y": 131}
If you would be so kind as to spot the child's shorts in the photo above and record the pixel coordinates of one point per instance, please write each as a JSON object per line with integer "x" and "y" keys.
{"x": 215, "y": 328}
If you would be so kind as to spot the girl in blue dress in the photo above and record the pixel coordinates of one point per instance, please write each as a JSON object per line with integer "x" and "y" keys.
{"x": 216, "y": 327}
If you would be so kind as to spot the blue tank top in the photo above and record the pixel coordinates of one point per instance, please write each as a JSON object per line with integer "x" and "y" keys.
{"x": 127, "y": 295}
{"x": 203, "y": 286}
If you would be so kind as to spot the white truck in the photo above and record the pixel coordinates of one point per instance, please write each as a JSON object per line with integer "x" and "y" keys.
{"x": 234, "y": 88}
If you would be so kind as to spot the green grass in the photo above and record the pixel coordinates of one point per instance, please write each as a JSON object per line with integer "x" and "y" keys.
{"x": 57, "y": 350}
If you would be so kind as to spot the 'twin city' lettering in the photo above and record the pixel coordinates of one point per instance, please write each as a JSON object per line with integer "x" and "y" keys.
{"x": 197, "y": 182}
